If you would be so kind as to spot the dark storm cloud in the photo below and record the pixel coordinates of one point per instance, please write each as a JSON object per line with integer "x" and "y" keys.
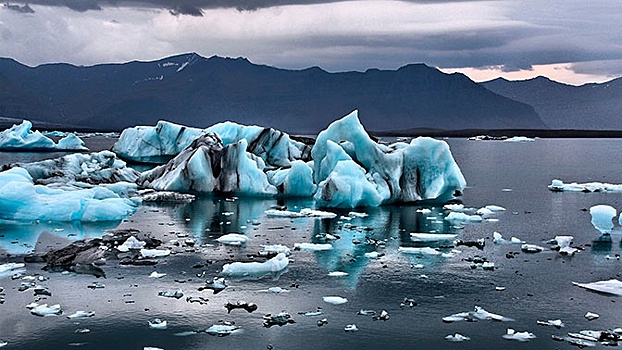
{"x": 185, "y": 7}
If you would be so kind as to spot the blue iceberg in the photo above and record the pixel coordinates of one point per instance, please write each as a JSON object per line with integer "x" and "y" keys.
{"x": 344, "y": 168}
{"x": 22, "y": 200}
{"x": 21, "y": 137}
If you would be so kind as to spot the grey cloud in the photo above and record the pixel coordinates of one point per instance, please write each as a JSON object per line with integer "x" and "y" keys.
{"x": 22, "y": 9}
{"x": 191, "y": 7}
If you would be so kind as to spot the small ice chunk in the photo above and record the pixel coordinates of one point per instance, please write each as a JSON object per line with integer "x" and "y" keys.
{"x": 457, "y": 338}
{"x": 335, "y": 300}
{"x": 151, "y": 348}
{"x": 3, "y": 343}
{"x": 154, "y": 253}
{"x": 531, "y": 248}
{"x": 555, "y": 323}
{"x": 276, "y": 264}
{"x": 81, "y": 314}
{"x": 44, "y": 309}
{"x": 11, "y": 266}
{"x": 306, "y": 212}
{"x": 457, "y": 217}
{"x": 591, "y": 316}
{"x": 350, "y": 328}
{"x": 519, "y": 336}
{"x": 454, "y": 207}
{"x": 158, "y": 324}
{"x": 602, "y": 216}
{"x": 372, "y": 255}
{"x": 484, "y": 212}
{"x": 431, "y": 237}
{"x": 274, "y": 249}
{"x": 131, "y": 243}
{"x": 419, "y": 250}
{"x": 612, "y": 286}
{"x": 494, "y": 208}
{"x": 357, "y": 215}
{"x": 313, "y": 246}
{"x": 338, "y": 274}
{"x": 277, "y": 290}
{"x": 233, "y": 239}
{"x": 221, "y": 330}
{"x": 564, "y": 245}
{"x": 156, "y": 274}
{"x": 478, "y": 314}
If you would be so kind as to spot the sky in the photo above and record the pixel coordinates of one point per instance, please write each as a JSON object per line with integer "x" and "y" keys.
{"x": 570, "y": 41}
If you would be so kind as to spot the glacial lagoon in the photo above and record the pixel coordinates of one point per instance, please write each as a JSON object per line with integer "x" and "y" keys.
{"x": 524, "y": 287}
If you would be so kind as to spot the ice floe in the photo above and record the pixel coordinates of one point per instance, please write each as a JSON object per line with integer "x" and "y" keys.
{"x": 457, "y": 338}
{"x": 559, "y": 186}
{"x": 44, "y": 309}
{"x": 158, "y": 324}
{"x": 222, "y": 330}
{"x": 313, "y": 246}
{"x": 431, "y": 237}
{"x": 563, "y": 243}
{"x": 22, "y": 137}
{"x": 612, "y": 286}
{"x": 81, "y": 314}
{"x": 305, "y": 212}
{"x": 419, "y": 250}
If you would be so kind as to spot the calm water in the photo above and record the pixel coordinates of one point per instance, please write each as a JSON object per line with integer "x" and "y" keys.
{"x": 512, "y": 175}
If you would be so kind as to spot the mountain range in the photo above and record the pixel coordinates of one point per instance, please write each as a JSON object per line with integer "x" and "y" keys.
{"x": 198, "y": 91}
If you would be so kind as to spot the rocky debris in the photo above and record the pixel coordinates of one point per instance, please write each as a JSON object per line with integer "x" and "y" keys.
{"x": 249, "y": 307}
{"x": 279, "y": 319}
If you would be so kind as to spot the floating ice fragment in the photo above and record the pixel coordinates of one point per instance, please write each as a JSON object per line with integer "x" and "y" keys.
{"x": 518, "y": 336}
{"x": 154, "y": 253}
{"x": 531, "y": 248}
{"x": 350, "y": 328}
{"x": 306, "y": 212}
{"x": 431, "y": 237}
{"x": 364, "y": 312}
{"x": 564, "y": 245}
{"x": 217, "y": 285}
{"x": 151, "y": 348}
{"x": 602, "y": 216}
{"x": 150, "y": 195}
{"x": 158, "y": 324}
{"x": 384, "y": 316}
{"x": 221, "y": 330}
{"x": 277, "y": 290}
{"x": 559, "y": 186}
{"x": 240, "y": 304}
{"x": 3, "y": 343}
{"x": 591, "y": 316}
{"x": 454, "y": 207}
{"x": 499, "y": 289}
{"x": 519, "y": 139}
{"x": 335, "y": 300}
{"x": 357, "y": 214}
{"x": 81, "y": 314}
{"x": 9, "y": 268}
{"x": 233, "y": 239}
{"x": 424, "y": 211}
{"x": 338, "y": 274}
{"x": 22, "y": 137}
{"x": 44, "y": 310}
{"x": 274, "y": 249}
{"x": 313, "y": 246}
{"x": 276, "y": 264}
{"x": 555, "y": 323}
{"x": 457, "y": 338}
{"x": 612, "y": 286}
{"x": 419, "y": 250}
{"x": 156, "y": 274}
{"x": 478, "y": 314}
{"x": 131, "y": 243}
{"x": 458, "y": 217}
{"x": 372, "y": 255}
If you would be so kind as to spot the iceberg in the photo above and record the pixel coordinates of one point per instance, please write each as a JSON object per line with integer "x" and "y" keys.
{"x": 344, "y": 169}
{"x": 240, "y": 269}
{"x": 22, "y": 200}
{"x": 602, "y": 216}
{"x": 166, "y": 140}
{"x": 206, "y": 166}
{"x": 22, "y": 137}
{"x": 148, "y": 144}
{"x": 94, "y": 168}
{"x": 423, "y": 169}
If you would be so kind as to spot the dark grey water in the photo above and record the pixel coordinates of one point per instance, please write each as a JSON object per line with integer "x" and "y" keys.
{"x": 512, "y": 175}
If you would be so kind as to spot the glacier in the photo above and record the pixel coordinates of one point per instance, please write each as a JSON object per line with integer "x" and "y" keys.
{"x": 345, "y": 168}
{"x": 21, "y": 137}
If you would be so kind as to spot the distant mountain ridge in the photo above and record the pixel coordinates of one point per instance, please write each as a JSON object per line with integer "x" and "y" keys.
{"x": 197, "y": 91}
{"x": 561, "y": 106}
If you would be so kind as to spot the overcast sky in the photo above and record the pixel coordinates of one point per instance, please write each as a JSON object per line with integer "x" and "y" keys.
{"x": 573, "y": 41}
